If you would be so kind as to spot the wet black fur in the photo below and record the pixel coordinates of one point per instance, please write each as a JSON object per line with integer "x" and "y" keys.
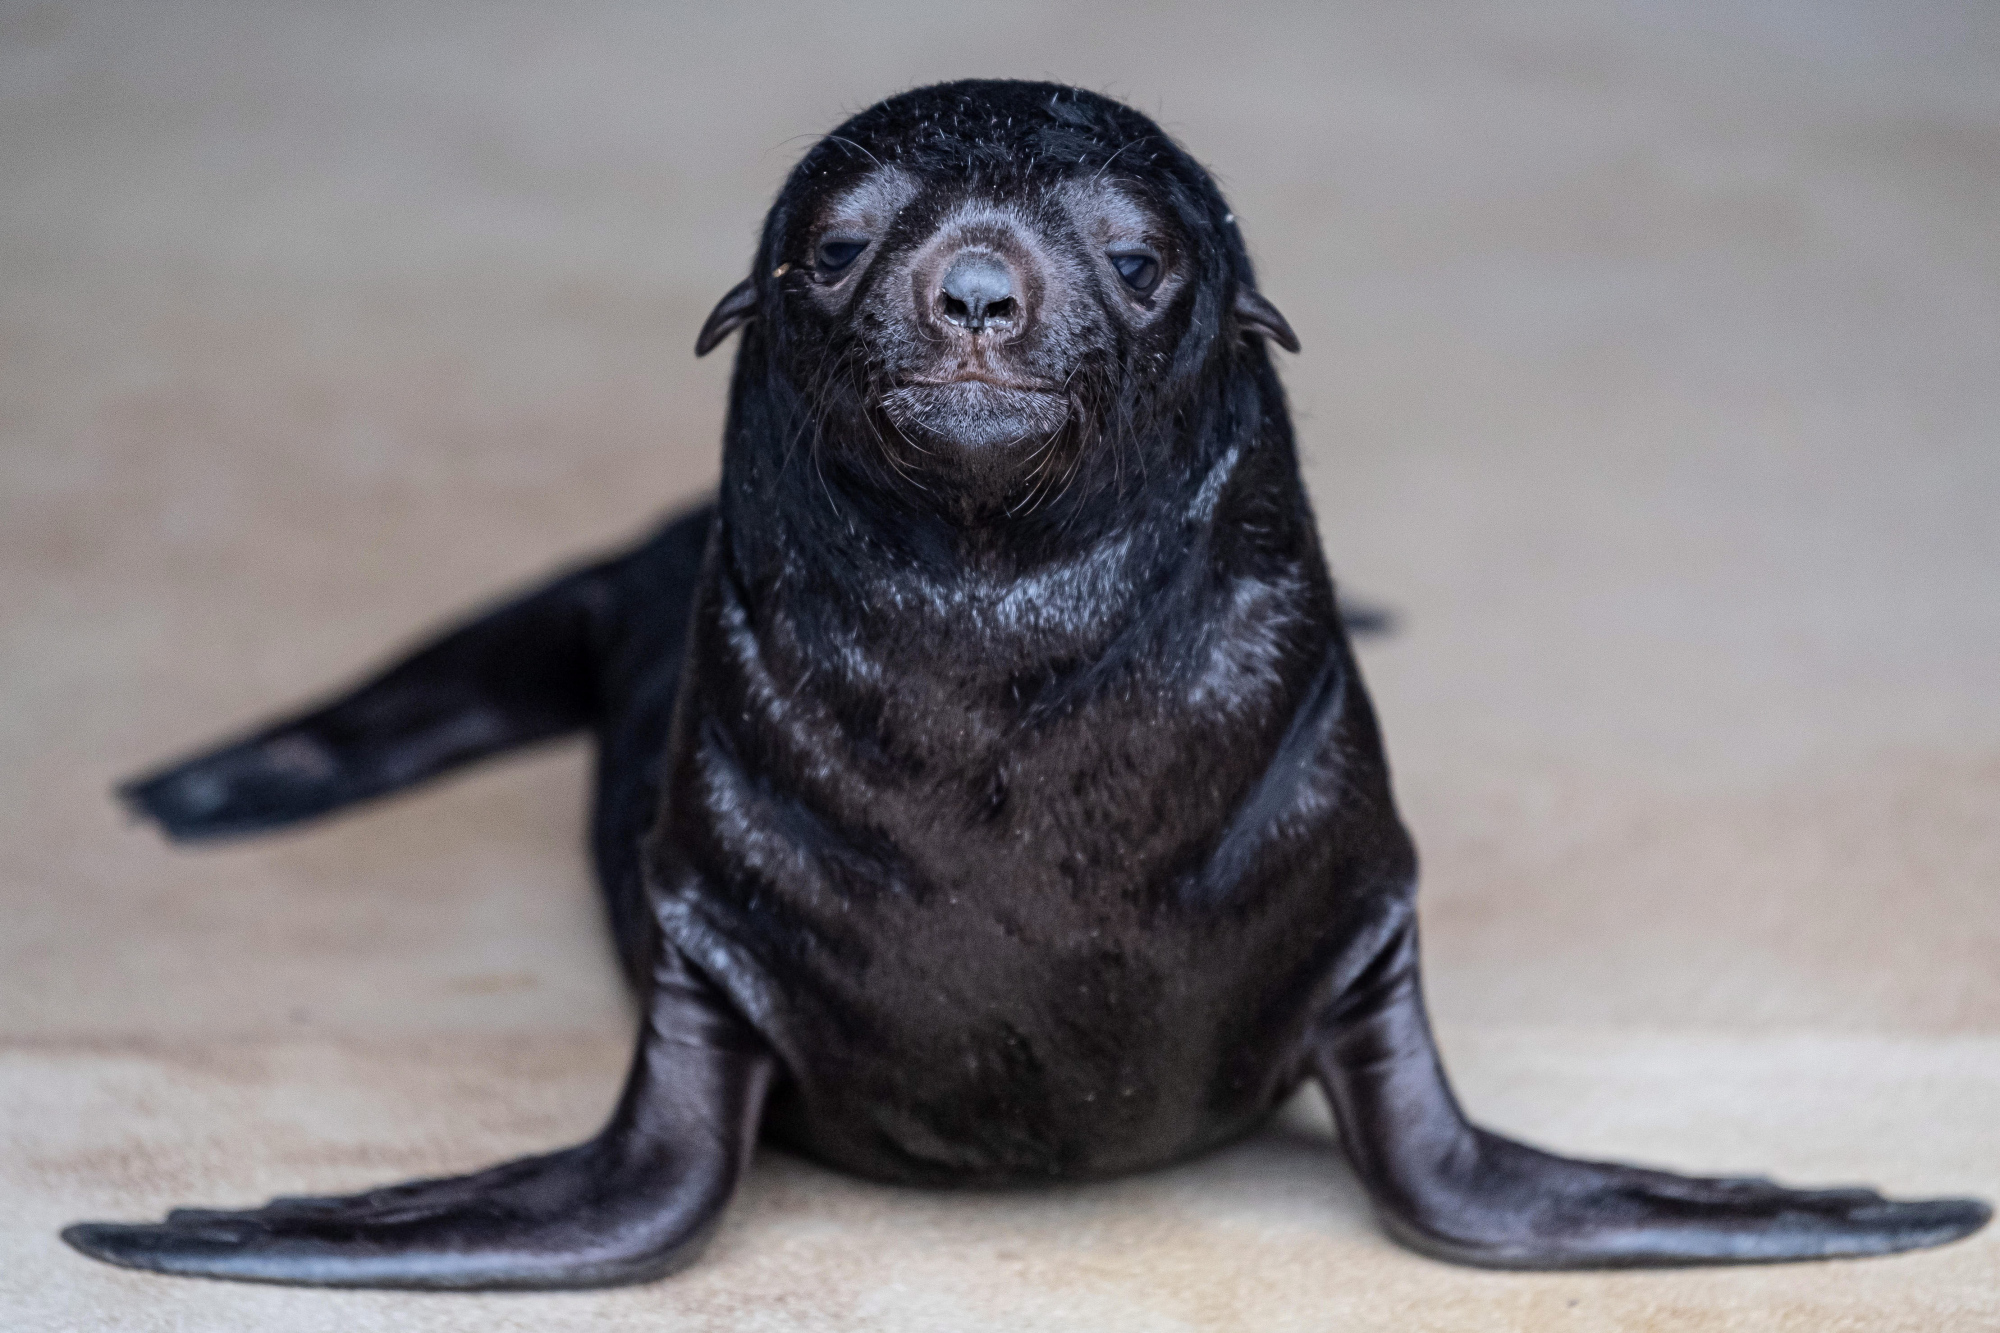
{"x": 1106, "y": 939}
{"x": 1004, "y": 825}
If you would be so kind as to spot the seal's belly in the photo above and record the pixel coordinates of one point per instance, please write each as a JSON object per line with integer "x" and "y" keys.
{"x": 1030, "y": 1077}
{"x": 947, "y": 1043}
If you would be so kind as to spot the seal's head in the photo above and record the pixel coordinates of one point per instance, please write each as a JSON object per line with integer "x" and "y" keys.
{"x": 977, "y": 288}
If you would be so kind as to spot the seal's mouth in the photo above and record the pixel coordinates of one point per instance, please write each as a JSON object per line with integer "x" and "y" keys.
{"x": 976, "y": 411}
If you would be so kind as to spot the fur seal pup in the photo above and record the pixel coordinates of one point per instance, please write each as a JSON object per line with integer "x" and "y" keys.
{"x": 987, "y": 790}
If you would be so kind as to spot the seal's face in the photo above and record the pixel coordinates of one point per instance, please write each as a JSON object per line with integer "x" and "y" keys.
{"x": 973, "y": 315}
{"x": 981, "y": 286}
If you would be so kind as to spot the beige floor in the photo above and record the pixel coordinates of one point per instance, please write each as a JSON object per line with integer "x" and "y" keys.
{"x": 1650, "y": 372}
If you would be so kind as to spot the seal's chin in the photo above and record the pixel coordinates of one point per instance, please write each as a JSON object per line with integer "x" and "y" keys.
{"x": 976, "y": 414}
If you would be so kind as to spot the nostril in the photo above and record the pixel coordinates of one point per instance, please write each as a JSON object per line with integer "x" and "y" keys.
{"x": 977, "y": 288}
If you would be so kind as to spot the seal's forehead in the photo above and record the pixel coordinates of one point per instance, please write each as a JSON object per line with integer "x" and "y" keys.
{"x": 999, "y": 132}
{"x": 875, "y": 196}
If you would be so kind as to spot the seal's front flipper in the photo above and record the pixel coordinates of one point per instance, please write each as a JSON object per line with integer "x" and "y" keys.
{"x": 633, "y": 1204}
{"x": 1451, "y": 1190}
{"x": 522, "y": 673}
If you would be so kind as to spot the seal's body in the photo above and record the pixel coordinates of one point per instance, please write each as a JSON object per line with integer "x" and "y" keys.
{"x": 1049, "y": 914}
{"x": 987, "y": 792}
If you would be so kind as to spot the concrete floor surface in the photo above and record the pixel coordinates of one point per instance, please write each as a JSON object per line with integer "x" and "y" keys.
{"x": 1651, "y": 373}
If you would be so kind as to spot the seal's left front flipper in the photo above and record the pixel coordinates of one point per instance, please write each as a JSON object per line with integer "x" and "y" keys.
{"x": 633, "y": 1204}
{"x": 1449, "y": 1189}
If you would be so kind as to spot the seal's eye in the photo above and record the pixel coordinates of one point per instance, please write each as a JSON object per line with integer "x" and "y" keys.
{"x": 1140, "y": 270}
{"x": 837, "y": 254}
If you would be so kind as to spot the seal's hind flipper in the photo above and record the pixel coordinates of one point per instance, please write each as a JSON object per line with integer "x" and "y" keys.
{"x": 1447, "y": 1188}
{"x": 1366, "y": 617}
{"x": 524, "y": 672}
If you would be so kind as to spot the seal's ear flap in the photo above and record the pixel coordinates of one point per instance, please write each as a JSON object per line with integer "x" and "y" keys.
{"x": 1260, "y": 317}
{"x": 731, "y": 313}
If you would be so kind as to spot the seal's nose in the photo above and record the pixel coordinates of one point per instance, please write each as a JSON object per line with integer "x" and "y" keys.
{"x": 977, "y": 290}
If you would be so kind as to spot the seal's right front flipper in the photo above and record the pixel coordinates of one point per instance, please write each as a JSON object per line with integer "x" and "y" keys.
{"x": 1447, "y": 1188}
{"x": 522, "y": 673}
{"x": 635, "y": 1203}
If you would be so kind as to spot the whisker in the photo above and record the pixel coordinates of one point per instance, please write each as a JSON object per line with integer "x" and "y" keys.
{"x": 856, "y": 147}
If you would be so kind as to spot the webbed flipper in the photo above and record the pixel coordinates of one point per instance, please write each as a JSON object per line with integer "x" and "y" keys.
{"x": 632, "y": 1204}
{"x": 1449, "y": 1189}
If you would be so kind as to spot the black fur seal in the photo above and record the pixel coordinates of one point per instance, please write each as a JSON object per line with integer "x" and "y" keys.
{"x": 987, "y": 792}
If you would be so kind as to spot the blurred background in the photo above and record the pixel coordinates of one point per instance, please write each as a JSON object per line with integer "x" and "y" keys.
{"x": 1651, "y": 376}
